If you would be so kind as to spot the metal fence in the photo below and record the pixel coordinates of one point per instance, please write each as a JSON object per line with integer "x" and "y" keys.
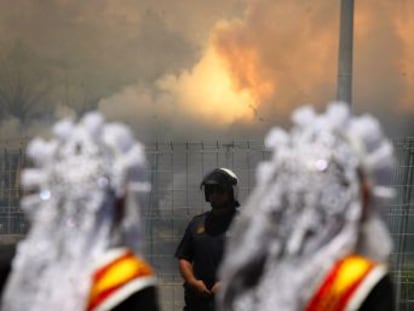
{"x": 176, "y": 170}
{"x": 401, "y": 223}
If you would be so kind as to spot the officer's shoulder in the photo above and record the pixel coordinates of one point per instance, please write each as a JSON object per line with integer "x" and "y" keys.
{"x": 199, "y": 217}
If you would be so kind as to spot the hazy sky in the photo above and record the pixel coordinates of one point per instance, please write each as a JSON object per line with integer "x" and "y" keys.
{"x": 196, "y": 69}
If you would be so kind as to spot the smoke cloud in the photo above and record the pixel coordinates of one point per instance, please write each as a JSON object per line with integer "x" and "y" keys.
{"x": 199, "y": 70}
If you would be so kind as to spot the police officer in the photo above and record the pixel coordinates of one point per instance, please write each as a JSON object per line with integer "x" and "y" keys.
{"x": 201, "y": 248}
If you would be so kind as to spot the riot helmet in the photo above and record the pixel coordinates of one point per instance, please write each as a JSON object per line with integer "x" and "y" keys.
{"x": 224, "y": 179}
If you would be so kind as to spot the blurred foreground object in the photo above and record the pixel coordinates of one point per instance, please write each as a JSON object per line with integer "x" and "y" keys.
{"x": 83, "y": 200}
{"x": 311, "y": 236}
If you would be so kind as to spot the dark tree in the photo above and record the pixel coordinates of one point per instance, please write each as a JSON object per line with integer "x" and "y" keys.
{"x": 25, "y": 83}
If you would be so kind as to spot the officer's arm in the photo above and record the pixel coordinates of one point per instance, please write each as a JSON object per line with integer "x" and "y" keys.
{"x": 186, "y": 270}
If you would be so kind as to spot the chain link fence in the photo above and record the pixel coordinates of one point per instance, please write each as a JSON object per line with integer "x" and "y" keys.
{"x": 176, "y": 170}
{"x": 401, "y": 222}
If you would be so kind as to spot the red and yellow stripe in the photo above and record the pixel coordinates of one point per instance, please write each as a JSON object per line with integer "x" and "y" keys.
{"x": 113, "y": 276}
{"x": 340, "y": 284}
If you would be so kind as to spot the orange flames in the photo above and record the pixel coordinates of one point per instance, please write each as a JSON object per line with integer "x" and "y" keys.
{"x": 268, "y": 62}
{"x": 243, "y": 63}
{"x": 208, "y": 92}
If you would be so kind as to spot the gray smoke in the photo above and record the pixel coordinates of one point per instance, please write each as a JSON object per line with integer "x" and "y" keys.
{"x": 146, "y": 63}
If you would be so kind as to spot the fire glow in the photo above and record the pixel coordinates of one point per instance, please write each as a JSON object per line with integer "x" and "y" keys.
{"x": 209, "y": 92}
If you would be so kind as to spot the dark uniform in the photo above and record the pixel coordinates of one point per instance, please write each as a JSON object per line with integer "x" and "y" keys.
{"x": 7, "y": 253}
{"x": 146, "y": 299}
{"x": 203, "y": 245}
{"x": 381, "y": 298}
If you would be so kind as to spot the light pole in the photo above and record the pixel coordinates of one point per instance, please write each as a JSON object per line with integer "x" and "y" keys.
{"x": 344, "y": 87}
